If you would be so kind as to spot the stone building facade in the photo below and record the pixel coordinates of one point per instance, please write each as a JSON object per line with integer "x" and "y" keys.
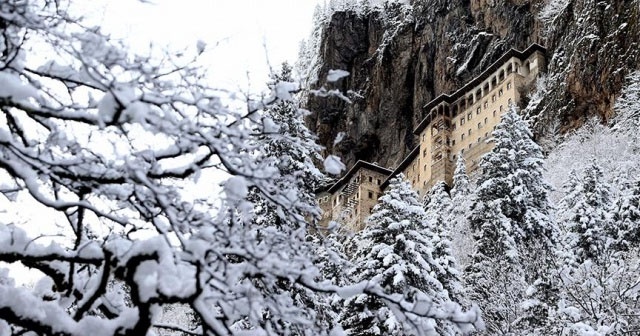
{"x": 454, "y": 124}
{"x": 350, "y": 200}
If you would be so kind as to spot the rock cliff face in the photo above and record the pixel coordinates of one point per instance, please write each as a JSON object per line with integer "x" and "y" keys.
{"x": 401, "y": 57}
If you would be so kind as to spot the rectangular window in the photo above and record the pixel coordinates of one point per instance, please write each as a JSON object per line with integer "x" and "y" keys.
{"x": 469, "y": 145}
{"x": 453, "y": 142}
{"x": 462, "y": 137}
{"x": 469, "y": 131}
{"x": 493, "y": 98}
{"x": 478, "y": 110}
{"x": 370, "y": 179}
{"x": 378, "y": 181}
{"x": 500, "y": 93}
{"x": 508, "y": 85}
{"x": 479, "y": 125}
{"x": 453, "y": 126}
{"x": 485, "y": 119}
{"x": 486, "y": 104}
{"x": 500, "y": 109}
{"x": 494, "y": 113}
{"x": 478, "y": 140}
{"x": 469, "y": 116}
{"x": 486, "y": 135}
{"x": 462, "y": 151}
{"x": 370, "y": 195}
{"x": 461, "y": 121}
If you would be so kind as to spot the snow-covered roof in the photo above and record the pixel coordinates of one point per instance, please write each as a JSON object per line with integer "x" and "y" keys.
{"x": 360, "y": 164}
{"x": 404, "y": 164}
{"x": 522, "y": 55}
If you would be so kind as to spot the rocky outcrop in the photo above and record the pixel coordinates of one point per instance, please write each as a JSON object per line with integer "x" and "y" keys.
{"x": 400, "y": 59}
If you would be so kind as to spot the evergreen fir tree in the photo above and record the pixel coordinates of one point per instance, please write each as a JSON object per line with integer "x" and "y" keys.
{"x": 599, "y": 269}
{"x": 461, "y": 201}
{"x": 512, "y": 183}
{"x": 461, "y": 184}
{"x": 287, "y": 140}
{"x": 436, "y": 224}
{"x": 394, "y": 251}
{"x": 586, "y": 216}
{"x": 626, "y": 219}
{"x": 513, "y": 231}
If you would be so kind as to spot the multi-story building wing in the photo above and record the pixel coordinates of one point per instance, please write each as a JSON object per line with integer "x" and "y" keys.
{"x": 350, "y": 200}
{"x": 462, "y": 122}
{"x": 454, "y": 124}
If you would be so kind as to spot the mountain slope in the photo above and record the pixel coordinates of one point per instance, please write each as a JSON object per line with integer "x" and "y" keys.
{"x": 402, "y": 56}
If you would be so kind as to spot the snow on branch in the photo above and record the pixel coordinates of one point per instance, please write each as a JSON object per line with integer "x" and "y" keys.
{"x": 156, "y": 190}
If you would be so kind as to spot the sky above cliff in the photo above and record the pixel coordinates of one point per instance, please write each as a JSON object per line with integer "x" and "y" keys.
{"x": 243, "y": 37}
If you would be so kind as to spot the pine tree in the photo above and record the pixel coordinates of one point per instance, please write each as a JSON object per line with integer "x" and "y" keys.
{"x": 626, "y": 219}
{"x": 395, "y": 252}
{"x": 599, "y": 270}
{"x": 512, "y": 183}
{"x": 285, "y": 138}
{"x": 510, "y": 218}
{"x": 439, "y": 234}
{"x": 461, "y": 201}
{"x": 461, "y": 184}
{"x": 586, "y": 216}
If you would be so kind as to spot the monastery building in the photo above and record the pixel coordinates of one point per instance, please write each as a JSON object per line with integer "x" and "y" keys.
{"x": 455, "y": 124}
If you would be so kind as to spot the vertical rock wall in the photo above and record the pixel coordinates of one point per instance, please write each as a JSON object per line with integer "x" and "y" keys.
{"x": 400, "y": 59}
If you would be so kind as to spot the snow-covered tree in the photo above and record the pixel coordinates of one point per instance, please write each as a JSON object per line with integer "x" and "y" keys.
{"x": 626, "y": 219}
{"x": 287, "y": 140}
{"x": 627, "y": 106}
{"x": 512, "y": 185}
{"x": 461, "y": 201}
{"x": 512, "y": 228}
{"x": 438, "y": 231}
{"x": 394, "y": 250}
{"x": 586, "y": 216}
{"x": 122, "y": 155}
{"x": 615, "y": 149}
{"x": 598, "y": 268}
